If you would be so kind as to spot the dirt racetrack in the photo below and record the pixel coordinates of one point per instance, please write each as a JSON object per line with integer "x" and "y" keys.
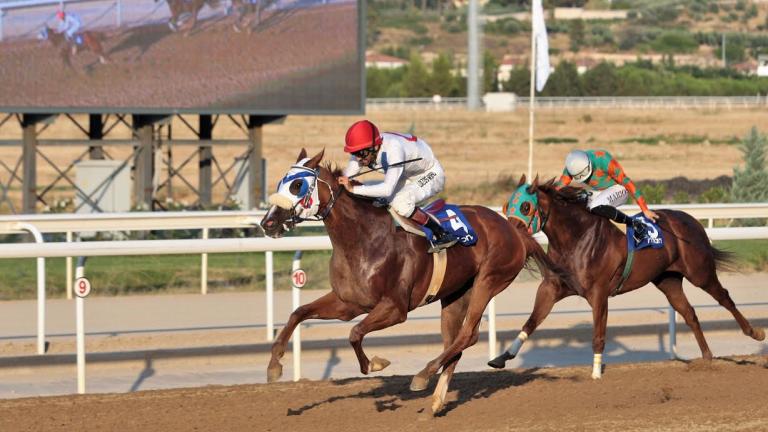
{"x": 296, "y": 60}
{"x": 728, "y": 394}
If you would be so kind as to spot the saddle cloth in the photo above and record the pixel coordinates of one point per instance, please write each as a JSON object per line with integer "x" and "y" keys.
{"x": 452, "y": 220}
{"x": 653, "y": 238}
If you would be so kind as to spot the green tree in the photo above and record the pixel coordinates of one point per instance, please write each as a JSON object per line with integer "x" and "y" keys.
{"x": 577, "y": 34}
{"x": 734, "y": 50}
{"x": 519, "y": 82}
{"x": 490, "y": 73}
{"x": 442, "y": 81}
{"x": 750, "y": 184}
{"x": 564, "y": 81}
{"x": 375, "y": 83}
{"x": 675, "y": 42}
{"x": 601, "y": 80}
{"x": 416, "y": 78}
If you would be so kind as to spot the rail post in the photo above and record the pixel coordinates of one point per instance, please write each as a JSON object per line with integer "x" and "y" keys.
{"x": 82, "y": 288}
{"x": 298, "y": 280}
{"x": 68, "y": 261}
{"x": 270, "y": 294}
{"x": 204, "y": 267}
{"x": 672, "y": 332}
{"x": 40, "y": 287}
{"x": 492, "y": 352}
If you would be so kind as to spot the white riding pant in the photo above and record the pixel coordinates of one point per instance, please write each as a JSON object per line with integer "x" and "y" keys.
{"x": 614, "y": 196}
{"x": 412, "y": 191}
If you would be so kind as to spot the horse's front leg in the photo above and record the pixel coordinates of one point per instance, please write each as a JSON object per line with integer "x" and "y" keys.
{"x": 329, "y": 306}
{"x": 547, "y": 295}
{"x": 385, "y": 314}
{"x": 600, "y": 321}
{"x": 482, "y": 293}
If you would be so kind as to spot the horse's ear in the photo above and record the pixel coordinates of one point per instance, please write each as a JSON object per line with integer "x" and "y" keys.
{"x": 315, "y": 161}
{"x": 534, "y": 185}
{"x": 302, "y": 154}
{"x": 522, "y": 181}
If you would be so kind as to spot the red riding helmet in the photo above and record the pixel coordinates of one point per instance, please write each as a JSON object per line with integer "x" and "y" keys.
{"x": 361, "y": 135}
{"x": 60, "y": 14}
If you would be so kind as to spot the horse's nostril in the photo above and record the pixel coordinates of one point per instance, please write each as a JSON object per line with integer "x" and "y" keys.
{"x": 269, "y": 223}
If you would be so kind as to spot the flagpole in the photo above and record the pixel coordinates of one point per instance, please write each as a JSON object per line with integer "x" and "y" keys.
{"x": 531, "y": 99}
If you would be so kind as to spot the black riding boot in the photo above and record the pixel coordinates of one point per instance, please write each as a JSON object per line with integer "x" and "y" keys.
{"x": 614, "y": 214}
{"x": 442, "y": 238}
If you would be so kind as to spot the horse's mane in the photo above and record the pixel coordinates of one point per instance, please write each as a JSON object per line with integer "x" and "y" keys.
{"x": 567, "y": 194}
{"x": 334, "y": 169}
{"x": 337, "y": 172}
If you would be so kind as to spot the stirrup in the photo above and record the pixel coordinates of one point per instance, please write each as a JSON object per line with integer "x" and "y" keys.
{"x": 435, "y": 247}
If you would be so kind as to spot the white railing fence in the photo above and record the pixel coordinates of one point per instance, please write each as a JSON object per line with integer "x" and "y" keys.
{"x": 629, "y": 102}
{"x": 188, "y": 220}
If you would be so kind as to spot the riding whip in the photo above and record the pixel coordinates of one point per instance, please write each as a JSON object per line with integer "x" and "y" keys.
{"x": 376, "y": 169}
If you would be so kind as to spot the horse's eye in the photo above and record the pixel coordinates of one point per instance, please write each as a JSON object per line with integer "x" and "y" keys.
{"x": 296, "y": 187}
{"x": 525, "y": 208}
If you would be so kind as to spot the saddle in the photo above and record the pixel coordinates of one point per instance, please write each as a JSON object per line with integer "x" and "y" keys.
{"x": 452, "y": 219}
{"x": 449, "y": 216}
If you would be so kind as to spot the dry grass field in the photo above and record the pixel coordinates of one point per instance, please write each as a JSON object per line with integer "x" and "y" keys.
{"x": 476, "y": 149}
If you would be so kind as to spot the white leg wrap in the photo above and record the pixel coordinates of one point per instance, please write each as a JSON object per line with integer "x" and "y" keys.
{"x": 518, "y": 343}
{"x": 597, "y": 367}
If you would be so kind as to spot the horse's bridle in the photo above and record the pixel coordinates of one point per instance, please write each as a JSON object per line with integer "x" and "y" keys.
{"x": 544, "y": 218}
{"x": 321, "y": 214}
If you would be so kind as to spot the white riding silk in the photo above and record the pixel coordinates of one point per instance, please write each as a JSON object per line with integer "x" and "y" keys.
{"x": 613, "y": 196}
{"x": 406, "y": 185}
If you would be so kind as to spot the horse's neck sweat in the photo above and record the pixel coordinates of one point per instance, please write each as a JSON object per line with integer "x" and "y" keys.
{"x": 567, "y": 226}
{"x": 353, "y": 223}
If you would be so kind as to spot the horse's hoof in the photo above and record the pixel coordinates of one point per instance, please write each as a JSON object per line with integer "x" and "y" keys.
{"x": 419, "y": 383}
{"x": 274, "y": 373}
{"x": 500, "y": 361}
{"x": 378, "y": 364}
{"x": 597, "y": 375}
{"x": 437, "y": 404}
{"x": 758, "y": 334}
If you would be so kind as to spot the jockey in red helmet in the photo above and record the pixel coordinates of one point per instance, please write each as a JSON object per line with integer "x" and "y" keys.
{"x": 405, "y": 185}
{"x": 69, "y": 25}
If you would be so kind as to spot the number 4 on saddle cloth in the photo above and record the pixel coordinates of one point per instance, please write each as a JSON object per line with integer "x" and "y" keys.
{"x": 452, "y": 220}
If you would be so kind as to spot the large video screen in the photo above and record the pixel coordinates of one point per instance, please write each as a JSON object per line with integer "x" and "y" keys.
{"x": 185, "y": 56}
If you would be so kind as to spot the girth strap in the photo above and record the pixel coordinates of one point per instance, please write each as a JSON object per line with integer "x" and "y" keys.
{"x": 627, "y": 270}
{"x": 440, "y": 262}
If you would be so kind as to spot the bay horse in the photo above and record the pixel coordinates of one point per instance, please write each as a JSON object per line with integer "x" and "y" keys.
{"x": 184, "y": 12}
{"x": 594, "y": 250}
{"x": 385, "y": 272}
{"x": 91, "y": 42}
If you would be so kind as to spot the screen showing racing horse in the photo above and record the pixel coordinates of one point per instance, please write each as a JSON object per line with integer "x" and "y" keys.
{"x": 186, "y": 56}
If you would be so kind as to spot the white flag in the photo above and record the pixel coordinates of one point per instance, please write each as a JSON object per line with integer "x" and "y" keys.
{"x": 542, "y": 45}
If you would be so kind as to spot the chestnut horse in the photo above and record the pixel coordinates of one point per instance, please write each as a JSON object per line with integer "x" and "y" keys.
{"x": 91, "y": 42}
{"x": 385, "y": 272}
{"x": 595, "y": 251}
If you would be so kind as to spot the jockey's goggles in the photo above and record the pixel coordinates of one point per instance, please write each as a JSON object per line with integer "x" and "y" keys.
{"x": 583, "y": 174}
{"x": 364, "y": 153}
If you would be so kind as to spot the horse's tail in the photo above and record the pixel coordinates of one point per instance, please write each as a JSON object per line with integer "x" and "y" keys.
{"x": 724, "y": 260}
{"x": 549, "y": 269}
